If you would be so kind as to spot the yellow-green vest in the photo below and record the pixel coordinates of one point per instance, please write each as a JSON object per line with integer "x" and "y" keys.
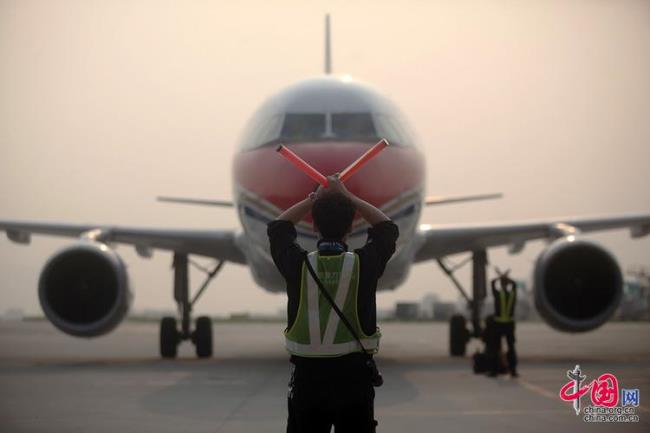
{"x": 506, "y": 301}
{"x": 317, "y": 330}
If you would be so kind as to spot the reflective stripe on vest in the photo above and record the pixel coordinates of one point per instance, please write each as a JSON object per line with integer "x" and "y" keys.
{"x": 506, "y": 300}
{"x": 321, "y": 333}
{"x": 334, "y": 349}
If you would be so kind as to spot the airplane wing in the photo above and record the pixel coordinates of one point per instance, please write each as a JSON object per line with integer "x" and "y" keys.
{"x": 219, "y": 244}
{"x": 434, "y": 200}
{"x": 437, "y": 241}
{"x": 195, "y": 201}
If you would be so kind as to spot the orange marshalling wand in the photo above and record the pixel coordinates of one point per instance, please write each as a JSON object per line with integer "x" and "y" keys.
{"x": 345, "y": 174}
{"x": 356, "y": 165}
{"x": 302, "y": 165}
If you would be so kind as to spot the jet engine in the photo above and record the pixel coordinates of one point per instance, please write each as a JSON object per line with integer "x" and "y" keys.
{"x": 578, "y": 285}
{"x": 84, "y": 289}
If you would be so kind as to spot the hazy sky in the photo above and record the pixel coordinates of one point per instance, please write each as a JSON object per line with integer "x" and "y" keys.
{"x": 106, "y": 104}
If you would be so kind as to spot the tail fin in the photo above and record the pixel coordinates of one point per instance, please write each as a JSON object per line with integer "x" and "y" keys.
{"x": 328, "y": 52}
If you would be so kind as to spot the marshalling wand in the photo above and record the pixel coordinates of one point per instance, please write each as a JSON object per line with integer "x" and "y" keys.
{"x": 363, "y": 159}
{"x": 302, "y": 165}
{"x": 345, "y": 174}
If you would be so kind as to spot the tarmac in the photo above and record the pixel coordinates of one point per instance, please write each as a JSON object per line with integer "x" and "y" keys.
{"x": 50, "y": 382}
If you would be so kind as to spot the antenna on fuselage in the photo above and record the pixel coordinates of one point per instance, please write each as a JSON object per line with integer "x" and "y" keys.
{"x": 328, "y": 51}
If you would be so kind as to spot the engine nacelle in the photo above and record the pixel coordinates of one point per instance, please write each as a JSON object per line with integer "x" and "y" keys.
{"x": 578, "y": 285}
{"x": 84, "y": 289}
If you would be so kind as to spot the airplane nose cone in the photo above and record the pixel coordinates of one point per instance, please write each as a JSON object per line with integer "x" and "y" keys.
{"x": 269, "y": 176}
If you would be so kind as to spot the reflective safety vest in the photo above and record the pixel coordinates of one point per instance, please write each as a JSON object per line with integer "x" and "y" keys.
{"x": 317, "y": 330}
{"x": 506, "y": 301}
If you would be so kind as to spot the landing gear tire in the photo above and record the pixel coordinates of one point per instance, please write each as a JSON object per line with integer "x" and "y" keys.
{"x": 458, "y": 335}
{"x": 168, "y": 337}
{"x": 202, "y": 337}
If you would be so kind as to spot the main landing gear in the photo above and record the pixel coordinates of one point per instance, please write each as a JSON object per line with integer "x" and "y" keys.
{"x": 170, "y": 335}
{"x": 459, "y": 335}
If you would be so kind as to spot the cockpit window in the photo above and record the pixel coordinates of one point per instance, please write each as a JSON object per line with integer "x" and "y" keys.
{"x": 393, "y": 129}
{"x": 303, "y": 126}
{"x": 316, "y": 127}
{"x": 353, "y": 126}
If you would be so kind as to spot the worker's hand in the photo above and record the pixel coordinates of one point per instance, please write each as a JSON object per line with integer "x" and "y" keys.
{"x": 317, "y": 193}
{"x": 334, "y": 184}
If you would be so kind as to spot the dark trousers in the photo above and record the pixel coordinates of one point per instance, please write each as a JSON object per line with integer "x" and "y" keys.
{"x": 500, "y": 330}
{"x": 322, "y": 398}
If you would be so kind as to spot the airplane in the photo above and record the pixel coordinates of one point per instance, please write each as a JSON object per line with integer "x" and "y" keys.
{"x": 328, "y": 120}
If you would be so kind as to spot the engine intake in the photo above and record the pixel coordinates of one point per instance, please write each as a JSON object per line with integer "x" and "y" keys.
{"x": 84, "y": 289}
{"x": 578, "y": 285}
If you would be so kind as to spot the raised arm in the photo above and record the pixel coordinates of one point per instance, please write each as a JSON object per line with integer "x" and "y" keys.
{"x": 298, "y": 211}
{"x": 493, "y": 284}
{"x": 367, "y": 211}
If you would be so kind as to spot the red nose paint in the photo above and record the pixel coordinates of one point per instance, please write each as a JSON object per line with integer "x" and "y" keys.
{"x": 276, "y": 183}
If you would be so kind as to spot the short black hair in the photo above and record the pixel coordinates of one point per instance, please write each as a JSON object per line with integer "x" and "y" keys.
{"x": 333, "y": 214}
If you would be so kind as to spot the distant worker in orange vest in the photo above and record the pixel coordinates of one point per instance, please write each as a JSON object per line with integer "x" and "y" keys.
{"x": 505, "y": 300}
